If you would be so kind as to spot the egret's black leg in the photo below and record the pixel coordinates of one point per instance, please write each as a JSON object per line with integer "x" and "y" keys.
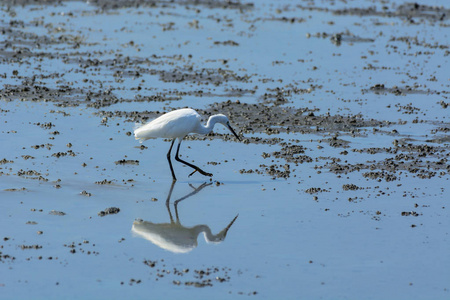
{"x": 195, "y": 191}
{"x": 190, "y": 165}
{"x": 170, "y": 162}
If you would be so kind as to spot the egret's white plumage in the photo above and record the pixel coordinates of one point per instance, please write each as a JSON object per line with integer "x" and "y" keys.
{"x": 175, "y": 237}
{"x": 176, "y": 125}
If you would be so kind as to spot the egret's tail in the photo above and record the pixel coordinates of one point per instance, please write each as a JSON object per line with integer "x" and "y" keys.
{"x": 137, "y": 131}
{"x": 140, "y": 133}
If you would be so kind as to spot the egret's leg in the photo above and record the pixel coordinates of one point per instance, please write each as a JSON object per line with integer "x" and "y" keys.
{"x": 170, "y": 162}
{"x": 175, "y": 203}
{"x": 168, "y": 202}
{"x": 190, "y": 165}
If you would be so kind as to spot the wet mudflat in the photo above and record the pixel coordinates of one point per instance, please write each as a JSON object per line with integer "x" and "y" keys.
{"x": 338, "y": 189}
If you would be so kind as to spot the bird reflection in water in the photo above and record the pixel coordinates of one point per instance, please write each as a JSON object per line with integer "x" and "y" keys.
{"x": 173, "y": 236}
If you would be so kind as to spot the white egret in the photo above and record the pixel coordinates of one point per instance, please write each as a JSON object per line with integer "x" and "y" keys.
{"x": 176, "y": 125}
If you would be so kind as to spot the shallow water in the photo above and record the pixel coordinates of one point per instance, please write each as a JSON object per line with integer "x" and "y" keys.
{"x": 358, "y": 211}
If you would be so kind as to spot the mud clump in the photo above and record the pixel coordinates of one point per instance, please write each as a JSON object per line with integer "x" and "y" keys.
{"x": 5, "y": 161}
{"x": 410, "y": 213}
{"x": 36, "y": 247}
{"x": 62, "y": 154}
{"x": 350, "y": 187}
{"x": 380, "y": 175}
{"x": 15, "y": 189}
{"x": 104, "y": 181}
{"x": 127, "y": 162}
{"x": 109, "y": 211}
{"x": 57, "y": 213}
{"x": 315, "y": 190}
{"x": 85, "y": 193}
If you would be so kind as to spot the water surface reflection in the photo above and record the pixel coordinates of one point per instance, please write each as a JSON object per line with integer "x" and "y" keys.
{"x": 173, "y": 236}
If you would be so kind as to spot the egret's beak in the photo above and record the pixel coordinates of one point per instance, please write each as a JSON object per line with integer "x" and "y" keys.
{"x": 223, "y": 233}
{"x": 231, "y": 129}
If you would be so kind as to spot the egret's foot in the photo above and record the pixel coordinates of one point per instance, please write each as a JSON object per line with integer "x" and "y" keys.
{"x": 201, "y": 172}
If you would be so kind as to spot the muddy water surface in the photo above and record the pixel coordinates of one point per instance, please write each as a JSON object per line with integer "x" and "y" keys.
{"x": 338, "y": 189}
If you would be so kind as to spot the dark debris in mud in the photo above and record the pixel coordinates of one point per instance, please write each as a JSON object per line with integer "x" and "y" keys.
{"x": 199, "y": 278}
{"x": 422, "y": 161}
{"x": 341, "y": 37}
{"x": 260, "y": 118}
{"x": 105, "y": 4}
{"x": 381, "y": 89}
{"x": 409, "y": 11}
{"x": 84, "y": 247}
{"x": 120, "y": 4}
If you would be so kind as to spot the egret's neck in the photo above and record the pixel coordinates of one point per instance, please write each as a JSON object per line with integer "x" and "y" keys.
{"x": 209, "y": 236}
{"x": 202, "y": 228}
{"x": 209, "y": 125}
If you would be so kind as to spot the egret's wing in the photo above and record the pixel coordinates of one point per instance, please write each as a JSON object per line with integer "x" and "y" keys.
{"x": 176, "y": 124}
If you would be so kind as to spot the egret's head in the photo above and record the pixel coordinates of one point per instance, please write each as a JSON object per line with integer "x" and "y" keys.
{"x": 222, "y": 119}
{"x": 221, "y": 235}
